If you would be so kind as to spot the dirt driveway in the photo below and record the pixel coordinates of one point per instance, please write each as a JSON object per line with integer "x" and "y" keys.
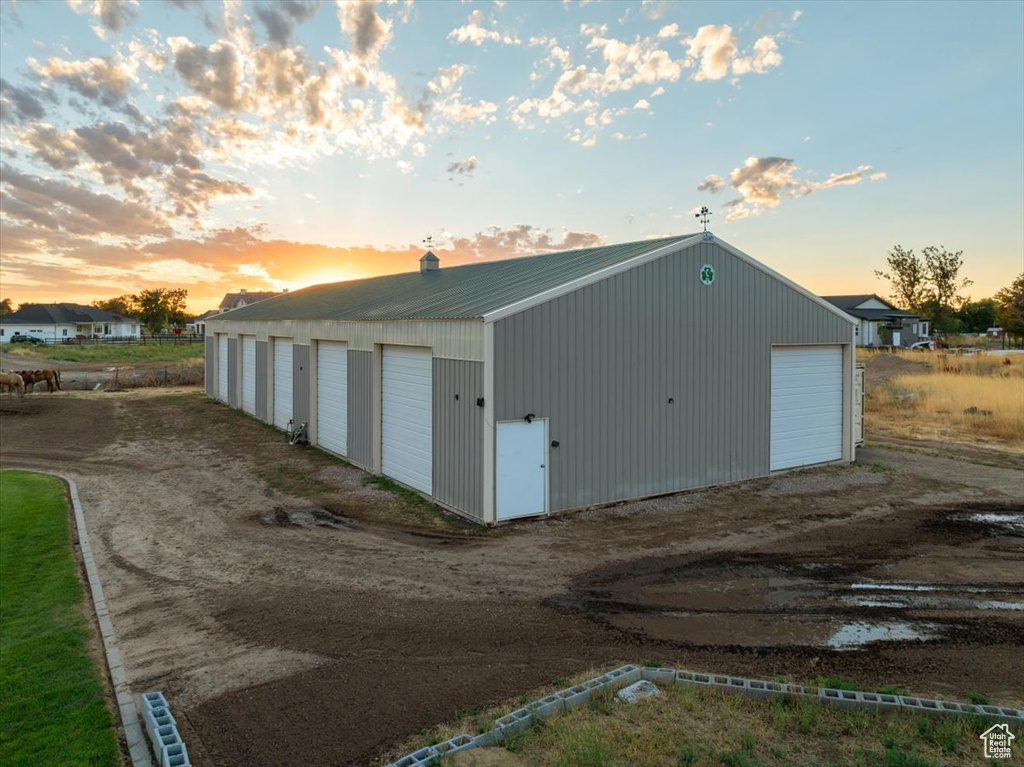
{"x": 296, "y": 615}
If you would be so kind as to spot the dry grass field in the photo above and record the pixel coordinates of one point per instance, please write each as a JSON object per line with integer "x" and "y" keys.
{"x": 967, "y": 398}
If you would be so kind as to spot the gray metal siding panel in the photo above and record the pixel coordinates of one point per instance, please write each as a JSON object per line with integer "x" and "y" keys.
{"x": 603, "y": 362}
{"x": 360, "y": 408}
{"x": 458, "y": 435}
{"x": 261, "y": 380}
{"x": 300, "y": 383}
{"x": 233, "y": 372}
{"x": 209, "y": 373}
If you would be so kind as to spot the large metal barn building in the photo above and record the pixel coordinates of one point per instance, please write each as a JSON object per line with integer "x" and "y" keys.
{"x": 534, "y": 385}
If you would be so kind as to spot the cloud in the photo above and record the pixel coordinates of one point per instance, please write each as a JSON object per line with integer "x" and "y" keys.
{"x": 100, "y": 79}
{"x": 766, "y": 54}
{"x": 715, "y": 51}
{"x": 764, "y": 182}
{"x": 654, "y": 9}
{"x": 74, "y": 209}
{"x": 280, "y": 17}
{"x": 711, "y": 184}
{"x": 214, "y": 72}
{"x": 369, "y": 32}
{"x": 670, "y": 30}
{"x": 473, "y": 31}
{"x": 110, "y": 15}
{"x": 464, "y": 167}
{"x": 796, "y": 15}
{"x": 19, "y": 103}
{"x": 642, "y": 104}
{"x": 497, "y": 242}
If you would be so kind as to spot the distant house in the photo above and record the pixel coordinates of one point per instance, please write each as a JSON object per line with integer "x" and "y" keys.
{"x": 881, "y": 323}
{"x": 56, "y": 323}
{"x": 199, "y": 324}
{"x": 229, "y": 302}
{"x": 243, "y": 298}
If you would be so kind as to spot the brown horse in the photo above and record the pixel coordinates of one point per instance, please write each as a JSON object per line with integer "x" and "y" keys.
{"x": 12, "y": 381}
{"x": 32, "y": 377}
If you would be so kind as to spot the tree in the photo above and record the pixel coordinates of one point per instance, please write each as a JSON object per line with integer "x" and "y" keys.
{"x": 907, "y": 278}
{"x": 6, "y": 307}
{"x": 1010, "y": 300}
{"x": 978, "y": 316}
{"x": 930, "y": 285}
{"x": 125, "y": 305}
{"x": 160, "y": 307}
{"x": 942, "y": 277}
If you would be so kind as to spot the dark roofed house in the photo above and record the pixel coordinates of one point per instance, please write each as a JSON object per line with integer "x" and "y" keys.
{"x": 55, "y": 323}
{"x": 881, "y": 323}
{"x": 243, "y": 298}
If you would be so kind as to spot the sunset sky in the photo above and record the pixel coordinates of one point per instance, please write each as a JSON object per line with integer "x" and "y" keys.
{"x": 266, "y": 145}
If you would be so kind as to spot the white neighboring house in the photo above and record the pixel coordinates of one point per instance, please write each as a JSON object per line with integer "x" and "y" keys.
{"x": 881, "y": 323}
{"x": 56, "y": 323}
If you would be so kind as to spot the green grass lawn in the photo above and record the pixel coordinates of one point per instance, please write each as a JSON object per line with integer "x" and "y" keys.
{"x": 112, "y": 353}
{"x": 51, "y": 709}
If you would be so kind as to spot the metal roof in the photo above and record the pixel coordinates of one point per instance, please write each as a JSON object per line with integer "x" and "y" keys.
{"x": 456, "y": 292}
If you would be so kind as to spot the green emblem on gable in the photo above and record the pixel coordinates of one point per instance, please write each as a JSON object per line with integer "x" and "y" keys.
{"x": 707, "y": 274}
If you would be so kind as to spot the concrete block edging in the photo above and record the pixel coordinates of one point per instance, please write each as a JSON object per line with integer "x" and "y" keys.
{"x": 577, "y": 695}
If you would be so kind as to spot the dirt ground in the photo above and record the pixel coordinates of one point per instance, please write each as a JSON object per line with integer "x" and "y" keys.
{"x": 296, "y": 615}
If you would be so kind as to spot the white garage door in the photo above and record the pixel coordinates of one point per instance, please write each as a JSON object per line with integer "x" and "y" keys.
{"x": 807, "y": 405}
{"x": 406, "y": 416}
{"x": 332, "y": 396}
{"x": 248, "y": 373}
{"x": 282, "y": 382}
{"x": 222, "y": 367}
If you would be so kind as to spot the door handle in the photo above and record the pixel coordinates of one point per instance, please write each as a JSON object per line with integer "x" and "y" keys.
{"x": 542, "y": 466}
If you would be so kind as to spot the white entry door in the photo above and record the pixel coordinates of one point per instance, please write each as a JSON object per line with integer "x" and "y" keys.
{"x": 407, "y": 392}
{"x": 521, "y": 473}
{"x": 282, "y": 382}
{"x": 807, "y": 405}
{"x": 248, "y": 373}
{"x": 222, "y": 367}
{"x": 332, "y": 396}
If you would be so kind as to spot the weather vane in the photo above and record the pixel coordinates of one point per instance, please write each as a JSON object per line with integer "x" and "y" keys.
{"x": 704, "y": 215}
{"x": 429, "y": 241}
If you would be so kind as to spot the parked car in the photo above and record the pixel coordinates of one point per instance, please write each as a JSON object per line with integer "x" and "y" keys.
{"x": 21, "y": 338}
{"x": 922, "y": 346}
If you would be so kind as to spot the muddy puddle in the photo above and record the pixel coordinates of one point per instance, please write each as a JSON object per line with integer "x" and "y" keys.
{"x": 829, "y": 599}
{"x": 311, "y": 516}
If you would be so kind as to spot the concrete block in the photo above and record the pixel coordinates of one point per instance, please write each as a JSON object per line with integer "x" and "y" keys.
{"x": 574, "y": 697}
{"x": 454, "y": 745}
{"x": 155, "y": 718}
{"x": 921, "y": 705}
{"x": 545, "y": 707}
{"x": 154, "y": 700}
{"x": 658, "y": 675}
{"x": 758, "y": 688}
{"x": 839, "y": 698}
{"x": 624, "y": 675}
{"x": 488, "y": 739}
{"x": 518, "y": 721}
{"x": 174, "y": 755}
{"x": 165, "y": 736}
{"x": 423, "y": 756}
{"x": 690, "y": 678}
